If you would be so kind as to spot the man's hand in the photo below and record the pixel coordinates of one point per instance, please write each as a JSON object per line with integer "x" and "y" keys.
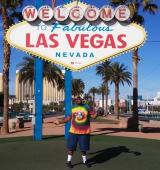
{"x": 56, "y": 122}
{"x": 62, "y": 120}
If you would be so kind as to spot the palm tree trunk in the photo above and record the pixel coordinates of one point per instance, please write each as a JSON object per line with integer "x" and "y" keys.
{"x": 106, "y": 97}
{"x": 103, "y": 101}
{"x": 93, "y": 102}
{"x": 135, "y": 88}
{"x": 6, "y": 65}
{"x": 116, "y": 106}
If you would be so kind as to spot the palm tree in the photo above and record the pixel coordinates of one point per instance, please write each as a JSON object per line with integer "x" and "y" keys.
{"x": 136, "y": 7}
{"x": 12, "y": 99}
{"x": 104, "y": 70}
{"x": 78, "y": 87}
{"x": 93, "y": 91}
{"x": 8, "y": 13}
{"x": 120, "y": 75}
{"x": 1, "y": 102}
{"x": 50, "y": 71}
{"x": 103, "y": 91}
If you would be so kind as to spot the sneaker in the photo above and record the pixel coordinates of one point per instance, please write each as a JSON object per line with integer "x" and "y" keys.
{"x": 69, "y": 165}
{"x": 87, "y": 164}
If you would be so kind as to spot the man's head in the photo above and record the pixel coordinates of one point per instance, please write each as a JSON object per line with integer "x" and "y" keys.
{"x": 79, "y": 100}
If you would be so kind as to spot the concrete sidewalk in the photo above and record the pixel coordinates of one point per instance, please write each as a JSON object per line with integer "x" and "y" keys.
{"x": 152, "y": 129}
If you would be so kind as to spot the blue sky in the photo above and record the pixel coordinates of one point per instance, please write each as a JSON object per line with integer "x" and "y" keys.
{"x": 148, "y": 70}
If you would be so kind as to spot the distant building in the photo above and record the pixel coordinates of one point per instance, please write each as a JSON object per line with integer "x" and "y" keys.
{"x": 110, "y": 103}
{"x": 122, "y": 103}
{"x": 1, "y": 82}
{"x": 25, "y": 91}
{"x": 156, "y": 100}
{"x": 141, "y": 101}
{"x": 129, "y": 97}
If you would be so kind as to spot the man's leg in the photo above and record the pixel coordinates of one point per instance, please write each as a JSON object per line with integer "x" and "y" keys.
{"x": 84, "y": 143}
{"x": 84, "y": 156}
{"x": 70, "y": 154}
{"x": 69, "y": 159}
{"x": 71, "y": 146}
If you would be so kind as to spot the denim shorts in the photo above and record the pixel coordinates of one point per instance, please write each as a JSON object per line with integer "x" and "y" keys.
{"x": 82, "y": 139}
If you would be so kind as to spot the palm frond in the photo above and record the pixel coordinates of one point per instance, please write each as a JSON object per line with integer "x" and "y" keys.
{"x": 151, "y": 8}
{"x": 78, "y": 87}
{"x": 50, "y": 71}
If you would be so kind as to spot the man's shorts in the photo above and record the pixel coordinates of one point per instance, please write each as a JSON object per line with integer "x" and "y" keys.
{"x": 82, "y": 139}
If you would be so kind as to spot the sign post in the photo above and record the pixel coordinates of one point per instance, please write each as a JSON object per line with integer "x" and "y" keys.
{"x": 68, "y": 98}
{"x": 38, "y": 91}
{"x": 68, "y": 95}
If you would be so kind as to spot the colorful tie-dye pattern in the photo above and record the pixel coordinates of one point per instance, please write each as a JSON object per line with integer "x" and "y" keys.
{"x": 80, "y": 122}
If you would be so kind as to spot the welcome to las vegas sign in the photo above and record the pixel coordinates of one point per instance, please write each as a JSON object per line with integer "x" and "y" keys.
{"x": 74, "y": 36}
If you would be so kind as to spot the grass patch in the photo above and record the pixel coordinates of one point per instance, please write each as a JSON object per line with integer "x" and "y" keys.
{"x": 107, "y": 152}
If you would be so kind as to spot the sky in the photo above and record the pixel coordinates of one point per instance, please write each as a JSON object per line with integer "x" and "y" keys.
{"x": 148, "y": 67}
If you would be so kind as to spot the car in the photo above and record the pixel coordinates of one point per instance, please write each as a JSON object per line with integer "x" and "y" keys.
{"x": 1, "y": 121}
{"x": 26, "y": 116}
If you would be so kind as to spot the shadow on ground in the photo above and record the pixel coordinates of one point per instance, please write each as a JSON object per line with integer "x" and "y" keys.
{"x": 52, "y": 137}
{"x": 151, "y": 130}
{"x": 104, "y": 131}
{"x": 104, "y": 155}
{"x": 21, "y": 130}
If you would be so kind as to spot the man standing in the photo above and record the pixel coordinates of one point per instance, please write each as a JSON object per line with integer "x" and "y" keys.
{"x": 79, "y": 132}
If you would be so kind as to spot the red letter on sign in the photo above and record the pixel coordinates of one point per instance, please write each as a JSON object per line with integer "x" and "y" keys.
{"x": 96, "y": 41}
{"x": 84, "y": 41}
{"x": 28, "y": 39}
{"x": 55, "y": 42}
{"x": 45, "y": 13}
{"x": 124, "y": 44}
{"x": 110, "y": 41}
{"x": 29, "y": 12}
{"x": 122, "y": 13}
{"x": 72, "y": 43}
{"x": 106, "y": 13}
{"x": 59, "y": 15}
{"x": 42, "y": 41}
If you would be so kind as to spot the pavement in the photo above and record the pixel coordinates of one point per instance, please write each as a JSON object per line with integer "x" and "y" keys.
{"x": 151, "y": 129}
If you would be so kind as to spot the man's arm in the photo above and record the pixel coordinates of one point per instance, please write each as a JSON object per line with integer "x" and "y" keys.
{"x": 93, "y": 114}
{"x": 62, "y": 120}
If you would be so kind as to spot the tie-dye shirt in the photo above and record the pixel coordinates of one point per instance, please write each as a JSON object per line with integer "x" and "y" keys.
{"x": 80, "y": 121}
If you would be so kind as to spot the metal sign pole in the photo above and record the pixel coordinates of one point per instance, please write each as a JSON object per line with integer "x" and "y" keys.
{"x": 68, "y": 94}
{"x": 38, "y": 91}
{"x": 68, "y": 98}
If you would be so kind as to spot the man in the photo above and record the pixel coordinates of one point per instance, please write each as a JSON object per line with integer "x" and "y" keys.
{"x": 79, "y": 131}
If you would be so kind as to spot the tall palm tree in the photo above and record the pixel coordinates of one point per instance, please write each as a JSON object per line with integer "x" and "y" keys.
{"x": 8, "y": 13}
{"x": 103, "y": 91}
{"x": 120, "y": 75}
{"x": 104, "y": 71}
{"x": 136, "y": 6}
{"x": 12, "y": 99}
{"x": 93, "y": 91}
{"x": 78, "y": 87}
{"x": 50, "y": 71}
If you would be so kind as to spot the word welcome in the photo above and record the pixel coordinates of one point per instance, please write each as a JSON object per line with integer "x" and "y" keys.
{"x": 76, "y": 13}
